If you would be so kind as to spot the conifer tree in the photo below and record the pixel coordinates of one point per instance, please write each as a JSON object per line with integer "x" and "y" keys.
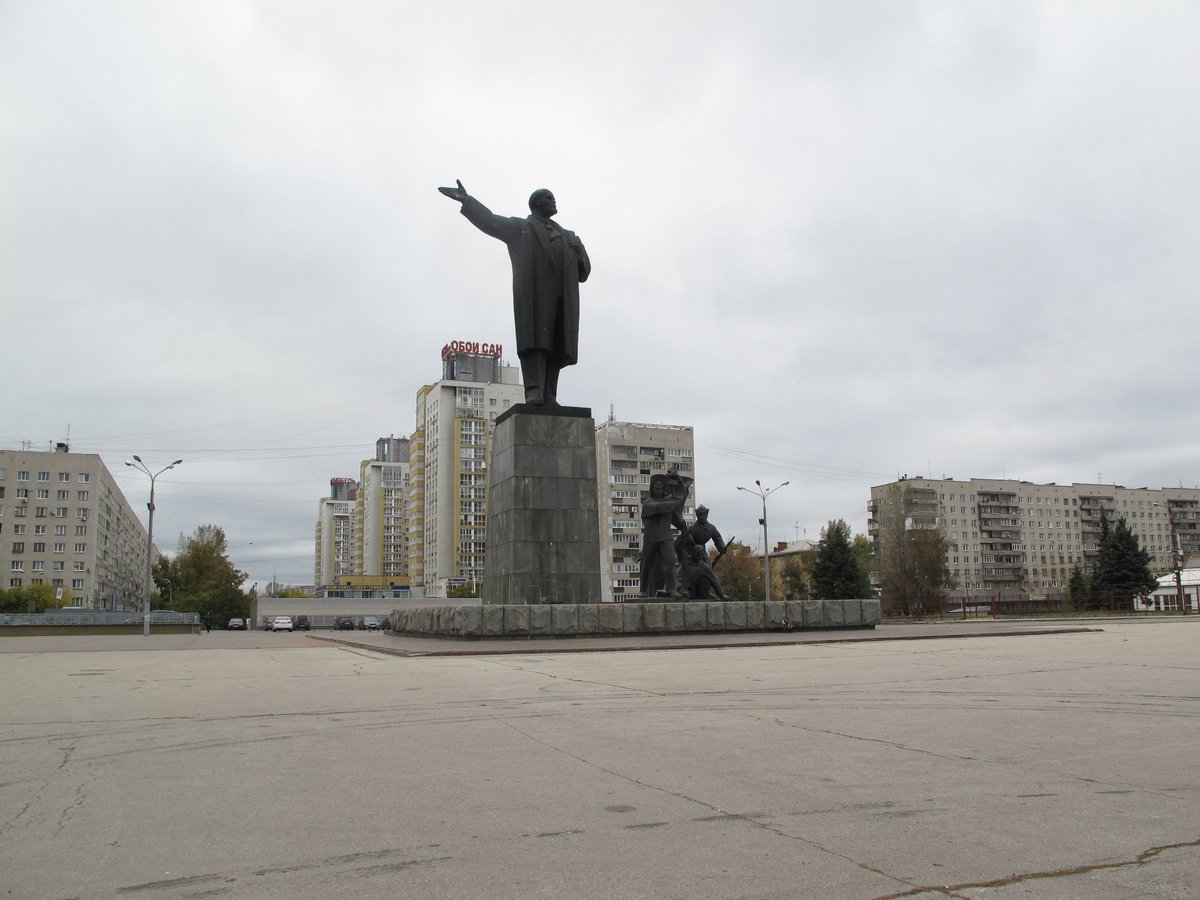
{"x": 837, "y": 574}
{"x": 1123, "y": 570}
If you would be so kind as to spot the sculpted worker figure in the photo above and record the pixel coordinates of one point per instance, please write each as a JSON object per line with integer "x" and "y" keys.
{"x": 548, "y": 264}
{"x": 661, "y": 512}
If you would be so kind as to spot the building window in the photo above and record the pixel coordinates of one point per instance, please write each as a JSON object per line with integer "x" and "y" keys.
{"x": 18, "y": 547}
{"x": 58, "y": 565}
{"x": 18, "y": 565}
{"x": 39, "y": 566}
{"x": 39, "y": 547}
{"x": 43, "y": 476}
{"x": 60, "y": 548}
{"x": 77, "y": 584}
{"x": 62, "y": 495}
{"x": 64, "y": 476}
{"x": 60, "y": 529}
{"x": 43, "y": 494}
{"x": 22, "y": 476}
{"x": 80, "y": 530}
{"x": 78, "y": 566}
{"x": 82, "y": 495}
{"x": 81, "y": 548}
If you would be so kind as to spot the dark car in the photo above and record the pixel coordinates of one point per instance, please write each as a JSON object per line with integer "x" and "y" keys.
{"x": 301, "y": 623}
{"x": 343, "y": 623}
{"x": 236, "y": 624}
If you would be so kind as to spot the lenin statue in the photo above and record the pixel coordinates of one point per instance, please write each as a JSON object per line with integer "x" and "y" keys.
{"x": 548, "y": 264}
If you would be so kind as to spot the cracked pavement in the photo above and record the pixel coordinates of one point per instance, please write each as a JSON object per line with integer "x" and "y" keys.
{"x": 250, "y": 765}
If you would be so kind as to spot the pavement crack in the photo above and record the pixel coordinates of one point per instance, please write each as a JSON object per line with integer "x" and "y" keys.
{"x": 952, "y": 889}
{"x": 871, "y": 740}
{"x": 587, "y": 681}
{"x": 726, "y": 814}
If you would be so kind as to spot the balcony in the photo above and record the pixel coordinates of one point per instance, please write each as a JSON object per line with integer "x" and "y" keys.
{"x": 994, "y": 574}
{"x": 994, "y": 509}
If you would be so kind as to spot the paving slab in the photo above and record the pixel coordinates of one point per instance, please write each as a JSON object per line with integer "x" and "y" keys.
{"x": 261, "y": 765}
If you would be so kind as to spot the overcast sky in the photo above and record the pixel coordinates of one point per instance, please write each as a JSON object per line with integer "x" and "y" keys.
{"x": 843, "y": 241}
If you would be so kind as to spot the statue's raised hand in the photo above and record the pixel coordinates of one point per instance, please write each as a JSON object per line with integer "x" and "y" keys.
{"x": 459, "y": 193}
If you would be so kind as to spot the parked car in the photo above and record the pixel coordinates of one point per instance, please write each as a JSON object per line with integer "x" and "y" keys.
{"x": 370, "y": 623}
{"x": 236, "y": 624}
{"x": 282, "y": 623}
{"x": 268, "y": 622}
{"x": 302, "y": 623}
{"x": 343, "y": 623}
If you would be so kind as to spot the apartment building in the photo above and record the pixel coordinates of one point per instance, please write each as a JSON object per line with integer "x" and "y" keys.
{"x": 1016, "y": 538}
{"x": 447, "y": 498}
{"x": 380, "y": 513}
{"x": 334, "y": 542}
{"x": 65, "y": 522}
{"x": 627, "y": 455}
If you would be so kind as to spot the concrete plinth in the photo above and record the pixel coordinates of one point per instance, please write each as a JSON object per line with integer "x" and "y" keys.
{"x": 543, "y": 530}
{"x": 614, "y": 619}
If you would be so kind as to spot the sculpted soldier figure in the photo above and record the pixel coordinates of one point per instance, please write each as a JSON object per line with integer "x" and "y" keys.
{"x": 660, "y": 512}
{"x": 698, "y": 576}
{"x": 548, "y": 264}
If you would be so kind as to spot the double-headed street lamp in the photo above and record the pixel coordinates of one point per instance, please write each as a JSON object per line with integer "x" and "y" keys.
{"x": 758, "y": 489}
{"x": 141, "y": 467}
{"x": 1176, "y": 558}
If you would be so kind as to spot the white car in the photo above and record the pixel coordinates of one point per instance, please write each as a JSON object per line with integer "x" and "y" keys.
{"x": 282, "y": 623}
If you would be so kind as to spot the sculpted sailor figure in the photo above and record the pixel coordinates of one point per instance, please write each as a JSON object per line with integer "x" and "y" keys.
{"x": 548, "y": 264}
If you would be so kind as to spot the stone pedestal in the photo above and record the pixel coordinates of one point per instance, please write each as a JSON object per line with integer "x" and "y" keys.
{"x": 617, "y": 619}
{"x": 543, "y": 529}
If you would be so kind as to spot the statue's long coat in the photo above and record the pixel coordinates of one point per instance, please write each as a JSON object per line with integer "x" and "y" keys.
{"x": 545, "y": 280}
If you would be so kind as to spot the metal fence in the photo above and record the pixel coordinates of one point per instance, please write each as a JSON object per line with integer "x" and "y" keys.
{"x": 98, "y": 617}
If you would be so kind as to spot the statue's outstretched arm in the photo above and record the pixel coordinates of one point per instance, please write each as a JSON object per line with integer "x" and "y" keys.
{"x": 459, "y": 193}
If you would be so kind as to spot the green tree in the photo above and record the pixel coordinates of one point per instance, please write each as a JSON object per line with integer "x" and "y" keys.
{"x": 35, "y": 598}
{"x": 1078, "y": 589}
{"x": 836, "y": 572}
{"x": 200, "y": 577}
{"x": 911, "y": 560}
{"x": 741, "y": 573}
{"x": 862, "y": 550}
{"x": 796, "y": 577}
{"x": 1123, "y": 568}
{"x": 290, "y": 590}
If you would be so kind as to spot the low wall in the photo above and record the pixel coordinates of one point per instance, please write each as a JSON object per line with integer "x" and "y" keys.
{"x": 43, "y": 630}
{"x": 599, "y": 619}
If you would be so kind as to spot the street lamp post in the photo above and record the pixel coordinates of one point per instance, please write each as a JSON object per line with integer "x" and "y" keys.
{"x": 758, "y": 489}
{"x": 1176, "y": 558}
{"x": 141, "y": 467}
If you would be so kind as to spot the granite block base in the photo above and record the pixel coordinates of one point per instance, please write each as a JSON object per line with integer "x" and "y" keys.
{"x": 543, "y": 544}
{"x": 565, "y": 620}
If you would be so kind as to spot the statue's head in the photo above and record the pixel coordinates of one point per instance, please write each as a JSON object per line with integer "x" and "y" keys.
{"x": 541, "y": 203}
{"x": 658, "y": 486}
{"x": 702, "y": 513}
